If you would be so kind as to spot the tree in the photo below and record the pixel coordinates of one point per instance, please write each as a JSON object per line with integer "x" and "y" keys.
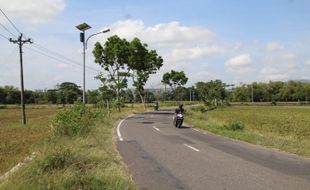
{"x": 2, "y": 96}
{"x": 68, "y": 92}
{"x": 113, "y": 58}
{"x": 211, "y": 92}
{"x": 12, "y": 95}
{"x": 241, "y": 94}
{"x": 51, "y": 96}
{"x": 142, "y": 63}
{"x": 174, "y": 79}
{"x": 93, "y": 96}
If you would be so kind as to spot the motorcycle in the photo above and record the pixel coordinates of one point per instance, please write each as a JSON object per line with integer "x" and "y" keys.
{"x": 178, "y": 120}
{"x": 156, "y": 106}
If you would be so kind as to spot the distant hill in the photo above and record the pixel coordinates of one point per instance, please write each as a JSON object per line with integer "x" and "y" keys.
{"x": 303, "y": 80}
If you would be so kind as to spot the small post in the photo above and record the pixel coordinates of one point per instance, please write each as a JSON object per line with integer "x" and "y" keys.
{"x": 108, "y": 108}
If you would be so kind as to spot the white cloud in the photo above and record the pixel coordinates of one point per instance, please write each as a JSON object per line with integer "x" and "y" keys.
{"x": 273, "y": 46}
{"x": 32, "y": 11}
{"x": 307, "y": 62}
{"x": 188, "y": 54}
{"x": 240, "y": 65}
{"x": 182, "y": 47}
{"x": 282, "y": 67}
{"x": 164, "y": 34}
{"x": 240, "y": 60}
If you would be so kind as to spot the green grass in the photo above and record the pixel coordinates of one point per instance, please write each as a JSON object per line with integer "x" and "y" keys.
{"x": 85, "y": 161}
{"x": 283, "y": 127}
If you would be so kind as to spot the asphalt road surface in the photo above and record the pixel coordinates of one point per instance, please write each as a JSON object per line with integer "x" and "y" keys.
{"x": 160, "y": 156}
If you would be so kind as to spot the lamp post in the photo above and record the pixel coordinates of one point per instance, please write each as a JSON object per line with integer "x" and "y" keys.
{"x": 83, "y": 27}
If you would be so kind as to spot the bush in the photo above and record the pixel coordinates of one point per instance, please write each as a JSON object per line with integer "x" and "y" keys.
{"x": 234, "y": 125}
{"x": 59, "y": 159}
{"x": 73, "y": 120}
{"x": 200, "y": 108}
{"x": 3, "y": 106}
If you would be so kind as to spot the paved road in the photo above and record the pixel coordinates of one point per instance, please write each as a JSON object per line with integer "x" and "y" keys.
{"x": 160, "y": 156}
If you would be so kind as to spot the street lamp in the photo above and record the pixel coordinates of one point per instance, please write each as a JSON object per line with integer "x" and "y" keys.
{"x": 83, "y": 27}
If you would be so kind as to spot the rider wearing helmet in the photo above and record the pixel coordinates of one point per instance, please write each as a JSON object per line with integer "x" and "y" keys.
{"x": 180, "y": 109}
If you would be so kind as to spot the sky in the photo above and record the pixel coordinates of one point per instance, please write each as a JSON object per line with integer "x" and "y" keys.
{"x": 237, "y": 41}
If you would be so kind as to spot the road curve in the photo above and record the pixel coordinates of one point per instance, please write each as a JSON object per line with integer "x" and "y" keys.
{"x": 160, "y": 156}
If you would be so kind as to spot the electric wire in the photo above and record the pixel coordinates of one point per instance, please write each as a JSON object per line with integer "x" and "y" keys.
{"x": 5, "y": 28}
{"x": 10, "y": 21}
{"x": 3, "y": 36}
{"x": 60, "y": 56}
{"x": 42, "y": 50}
{"x": 59, "y": 60}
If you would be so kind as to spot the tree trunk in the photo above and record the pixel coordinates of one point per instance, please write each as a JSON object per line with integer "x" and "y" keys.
{"x": 117, "y": 93}
{"x": 142, "y": 100}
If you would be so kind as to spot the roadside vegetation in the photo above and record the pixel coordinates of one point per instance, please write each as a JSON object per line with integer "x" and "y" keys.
{"x": 282, "y": 127}
{"x": 78, "y": 153}
{"x": 19, "y": 141}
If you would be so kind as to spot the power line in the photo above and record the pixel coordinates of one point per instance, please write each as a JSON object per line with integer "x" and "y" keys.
{"x": 58, "y": 59}
{"x": 10, "y": 21}
{"x": 60, "y": 56}
{"x": 5, "y": 28}
{"x": 3, "y": 36}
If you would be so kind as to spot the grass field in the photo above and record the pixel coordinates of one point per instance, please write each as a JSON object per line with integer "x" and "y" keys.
{"x": 282, "y": 127}
{"x": 85, "y": 161}
{"x": 19, "y": 141}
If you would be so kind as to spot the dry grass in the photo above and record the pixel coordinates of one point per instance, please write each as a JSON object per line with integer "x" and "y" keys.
{"x": 19, "y": 141}
{"x": 86, "y": 161}
{"x": 282, "y": 127}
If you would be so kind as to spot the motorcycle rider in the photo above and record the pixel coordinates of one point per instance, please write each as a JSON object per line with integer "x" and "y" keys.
{"x": 179, "y": 110}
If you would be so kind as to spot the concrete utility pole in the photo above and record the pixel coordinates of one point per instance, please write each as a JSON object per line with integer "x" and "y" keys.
{"x": 20, "y": 43}
{"x": 252, "y": 94}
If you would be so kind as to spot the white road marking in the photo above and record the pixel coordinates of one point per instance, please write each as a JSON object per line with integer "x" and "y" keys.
{"x": 196, "y": 130}
{"x": 197, "y": 150}
{"x": 156, "y": 128}
{"x": 118, "y": 131}
{"x": 119, "y": 126}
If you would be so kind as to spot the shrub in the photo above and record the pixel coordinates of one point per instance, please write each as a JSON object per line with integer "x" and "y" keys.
{"x": 3, "y": 106}
{"x": 59, "y": 159}
{"x": 234, "y": 125}
{"x": 73, "y": 120}
{"x": 200, "y": 108}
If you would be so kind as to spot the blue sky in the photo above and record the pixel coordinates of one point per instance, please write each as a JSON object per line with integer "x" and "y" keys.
{"x": 233, "y": 40}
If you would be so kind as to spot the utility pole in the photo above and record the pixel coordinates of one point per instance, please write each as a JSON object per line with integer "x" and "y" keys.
{"x": 20, "y": 43}
{"x": 252, "y": 94}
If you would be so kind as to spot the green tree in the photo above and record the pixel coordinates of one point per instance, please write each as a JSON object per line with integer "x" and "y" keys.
{"x": 51, "y": 96}
{"x": 93, "y": 96}
{"x": 142, "y": 63}
{"x": 2, "y": 96}
{"x": 241, "y": 94}
{"x": 174, "y": 79}
{"x": 113, "y": 58}
{"x": 12, "y": 95}
{"x": 68, "y": 92}
{"x": 212, "y": 92}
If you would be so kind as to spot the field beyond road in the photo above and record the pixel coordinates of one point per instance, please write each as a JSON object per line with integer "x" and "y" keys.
{"x": 282, "y": 127}
{"x": 19, "y": 141}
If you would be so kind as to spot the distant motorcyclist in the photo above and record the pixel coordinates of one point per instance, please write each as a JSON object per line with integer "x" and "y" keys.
{"x": 180, "y": 109}
{"x": 178, "y": 116}
{"x": 156, "y": 105}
